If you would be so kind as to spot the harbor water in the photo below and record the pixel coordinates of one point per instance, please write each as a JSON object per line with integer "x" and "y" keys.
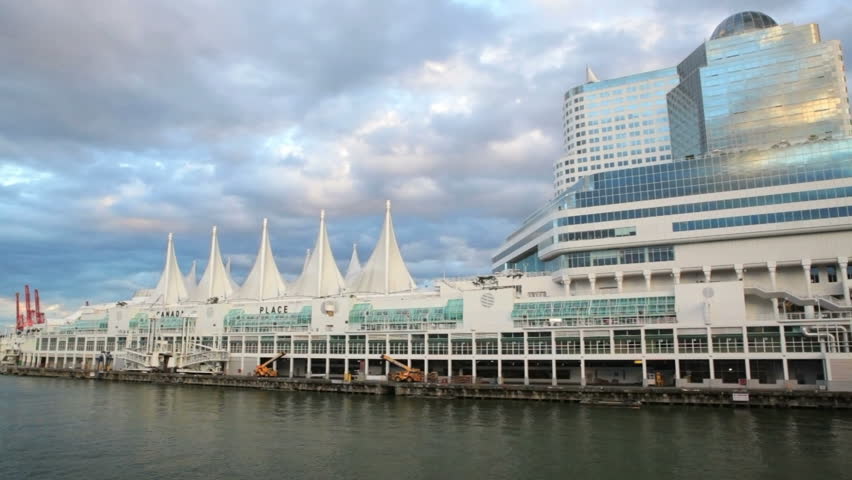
{"x": 73, "y": 429}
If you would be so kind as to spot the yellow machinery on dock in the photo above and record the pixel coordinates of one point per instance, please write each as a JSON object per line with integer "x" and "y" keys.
{"x": 263, "y": 370}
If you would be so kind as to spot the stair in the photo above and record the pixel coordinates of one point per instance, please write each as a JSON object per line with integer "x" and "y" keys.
{"x": 823, "y": 303}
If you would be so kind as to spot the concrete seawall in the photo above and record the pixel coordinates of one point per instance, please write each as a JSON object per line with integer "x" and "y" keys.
{"x": 604, "y": 396}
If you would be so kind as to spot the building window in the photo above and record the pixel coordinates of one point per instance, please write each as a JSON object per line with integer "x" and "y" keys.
{"x": 814, "y": 274}
{"x": 831, "y": 273}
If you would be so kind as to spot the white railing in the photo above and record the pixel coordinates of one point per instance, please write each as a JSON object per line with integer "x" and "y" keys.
{"x": 805, "y": 317}
{"x": 205, "y": 356}
{"x": 136, "y": 357}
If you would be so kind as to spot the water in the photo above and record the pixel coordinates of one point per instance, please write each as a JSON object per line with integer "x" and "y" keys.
{"x": 70, "y": 429}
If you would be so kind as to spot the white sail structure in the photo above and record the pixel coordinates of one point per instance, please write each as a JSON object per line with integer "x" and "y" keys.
{"x": 590, "y": 75}
{"x": 354, "y": 266}
{"x": 307, "y": 260}
{"x": 320, "y": 276}
{"x": 191, "y": 278}
{"x": 263, "y": 281}
{"x": 216, "y": 281}
{"x": 171, "y": 288}
{"x": 385, "y": 271}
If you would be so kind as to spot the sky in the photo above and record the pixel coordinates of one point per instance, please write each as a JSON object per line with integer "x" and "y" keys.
{"x": 122, "y": 121}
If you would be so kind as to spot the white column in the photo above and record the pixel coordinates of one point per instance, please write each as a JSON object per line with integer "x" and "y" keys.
{"x": 582, "y": 359}
{"x": 676, "y": 275}
{"x": 806, "y": 271}
{"x": 499, "y": 358}
{"x": 526, "y": 361}
{"x": 707, "y": 269}
{"x": 553, "y": 380}
{"x": 619, "y": 280}
{"x": 566, "y": 281}
{"x": 473, "y": 357}
{"x": 842, "y": 265}
{"x": 592, "y": 278}
{"x": 738, "y": 268}
{"x": 773, "y": 280}
{"x": 647, "y": 275}
{"x": 644, "y": 372}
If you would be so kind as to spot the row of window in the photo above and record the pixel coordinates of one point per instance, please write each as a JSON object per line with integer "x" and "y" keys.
{"x": 614, "y": 257}
{"x": 757, "y": 201}
{"x": 762, "y": 219}
{"x": 714, "y": 174}
{"x": 598, "y": 234}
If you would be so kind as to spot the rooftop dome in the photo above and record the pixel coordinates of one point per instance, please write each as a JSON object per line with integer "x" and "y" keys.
{"x": 742, "y": 22}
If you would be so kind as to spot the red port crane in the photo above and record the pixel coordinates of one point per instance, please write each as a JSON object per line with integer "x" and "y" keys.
{"x": 19, "y": 318}
{"x": 30, "y": 316}
{"x": 39, "y": 315}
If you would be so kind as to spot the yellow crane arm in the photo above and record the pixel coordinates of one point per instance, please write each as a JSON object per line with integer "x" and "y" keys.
{"x": 266, "y": 363}
{"x": 396, "y": 362}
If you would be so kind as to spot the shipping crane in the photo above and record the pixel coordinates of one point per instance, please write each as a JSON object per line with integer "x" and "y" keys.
{"x": 263, "y": 370}
{"x": 29, "y": 317}
{"x": 407, "y": 374}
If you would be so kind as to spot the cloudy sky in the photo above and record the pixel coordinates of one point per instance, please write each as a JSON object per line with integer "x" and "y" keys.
{"x": 121, "y": 121}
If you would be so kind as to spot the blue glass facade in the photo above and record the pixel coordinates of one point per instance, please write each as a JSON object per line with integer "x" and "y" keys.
{"x": 759, "y": 88}
{"x": 764, "y": 218}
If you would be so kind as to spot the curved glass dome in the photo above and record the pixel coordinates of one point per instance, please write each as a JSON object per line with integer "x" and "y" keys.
{"x": 742, "y": 22}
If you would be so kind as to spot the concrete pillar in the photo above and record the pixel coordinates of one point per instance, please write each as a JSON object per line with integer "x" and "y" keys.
{"x": 567, "y": 284}
{"x": 786, "y": 369}
{"x": 473, "y": 357}
{"x": 553, "y": 371}
{"x": 677, "y": 367}
{"x": 499, "y": 359}
{"x": 450, "y": 364}
{"x": 773, "y": 281}
{"x": 806, "y": 271}
{"x": 676, "y": 275}
{"x": 738, "y": 268}
{"x": 647, "y": 275}
{"x": 526, "y": 372}
{"x": 327, "y": 367}
{"x": 712, "y": 367}
{"x": 582, "y": 359}
{"x": 425, "y": 356}
{"x": 707, "y": 269}
{"x": 611, "y": 341}
{"x": 308, "y": 369}
{"x": 592, "y": 278}
{"x": 619, "y": 280}
{"x": 842, "y": 265}
{"x": 644, "y": 372}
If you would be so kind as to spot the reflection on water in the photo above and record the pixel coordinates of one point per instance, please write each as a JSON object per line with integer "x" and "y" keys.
{"x": 53, "y": 428}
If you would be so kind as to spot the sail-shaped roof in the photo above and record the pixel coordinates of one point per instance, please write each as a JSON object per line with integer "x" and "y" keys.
{"x": 216, "y": 281}
{"x": 590, "y": 75}
{"x": 354, "y": 266}
{"x": 171, "y": 288}
{"x": 263, "y": 281}
{"x": 320, "y": 276}
{"x": 385, "y": 271}
{"x": 191, "y": 278}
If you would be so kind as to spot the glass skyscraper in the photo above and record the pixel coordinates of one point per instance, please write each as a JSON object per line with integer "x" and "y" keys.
{"x": 756, "y": 85}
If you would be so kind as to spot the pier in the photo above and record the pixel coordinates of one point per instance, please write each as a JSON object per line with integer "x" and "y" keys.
{"x": 617, "y": 396}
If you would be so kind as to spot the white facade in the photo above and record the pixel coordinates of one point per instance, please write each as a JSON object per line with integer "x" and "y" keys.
{"x": 614, "y": 124}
